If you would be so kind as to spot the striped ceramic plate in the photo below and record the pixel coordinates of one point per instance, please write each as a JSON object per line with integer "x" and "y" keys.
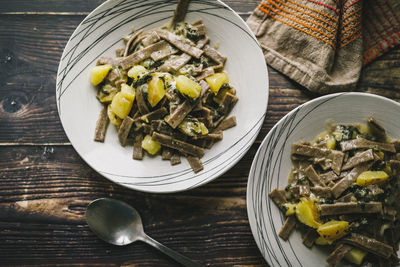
{"x": 272, "y": 164}
{"x": 100, "y": 35}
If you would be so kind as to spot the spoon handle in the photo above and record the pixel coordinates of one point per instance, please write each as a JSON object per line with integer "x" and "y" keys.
{"x": 169, "y": 252}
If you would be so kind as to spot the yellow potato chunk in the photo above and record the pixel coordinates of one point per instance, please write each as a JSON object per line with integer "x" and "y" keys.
{"x": 356, "y": 256}
{"x": 121, "y": 106}
{"x": 216, "y": 80}
{"x": 155, "y": 91}
{"x": 187, "y": 86}
{"x": 290, "y": 208}
{"x": 328, "y": 138}
{"x": 135, "y": 71}
{"x": 307, "y": 213}
{"x": 371, "y": 177}
{"x": 98, "y": 73}
{"x": 113, "y": 117}
{"x": 151, "y": 146}
{"x": 128, "y": 92}
{"x": 333, "y": 230}
{"x": 330, "y": 142}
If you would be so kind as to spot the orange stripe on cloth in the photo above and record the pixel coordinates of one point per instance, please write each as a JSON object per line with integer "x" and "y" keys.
{"x": 299, "y": 22}
{"x": 365, "y": 58}
{"x": 300, "y": 17}
{"x": 351, "y": 14}
{"x": 310, "y": 15}
{"x": 368, "y": 51}
{"x": 350, "y": 21}
{"x": 350, "y": 5}
{"x": 350, "y": 28}
{"x": 349, "y": 35}
{"x": 315, "y": 10}
{"x": 296, "y": 27}
{"x": 352, "y": 40}
{"x": 324, "y": 5}
{"x": 370, "y": 46}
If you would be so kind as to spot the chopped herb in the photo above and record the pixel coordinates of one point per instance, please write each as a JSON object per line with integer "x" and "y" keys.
{"x": 143, "y": 79}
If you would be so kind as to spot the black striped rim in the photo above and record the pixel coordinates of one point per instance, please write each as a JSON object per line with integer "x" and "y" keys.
{"x": 265, "y": 168}
{"x": 88, "y": 27}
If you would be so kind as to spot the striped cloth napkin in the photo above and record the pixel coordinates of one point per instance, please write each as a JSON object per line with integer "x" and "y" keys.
{"x": 324, "y": 44}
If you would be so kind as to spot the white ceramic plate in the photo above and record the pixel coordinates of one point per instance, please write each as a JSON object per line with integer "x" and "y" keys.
{"x": 100, "y": 35}
{"x": 272, "y": 164}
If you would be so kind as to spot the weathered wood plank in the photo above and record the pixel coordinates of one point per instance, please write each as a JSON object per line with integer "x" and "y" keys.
{"x": 31, "y": 172}
{"x": 32, "y": 48}
{"x": 89, "y": 5}
{"x": 44, "y": 192}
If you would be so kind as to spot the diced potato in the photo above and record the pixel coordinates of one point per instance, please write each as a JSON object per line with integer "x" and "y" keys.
{"x": 193, "y": 128}
{"x": 331, "y": 142}
{"x": 121, "y": 106}
{"x": 356, "y": 256}
{"x": 151, "y": 146}
{"x": 216, "y": 80}
{"x": 135, "y": 71}
{"x": 128, "y": 92}
{"x": 98, "y": 73}
{"x": 113, "y": 117}
{"x": 290, "y": 208}
{"x": 156, "y": 90}
{"x": 307, "y": 213}
{"x": 371, "y": 177}
{"x": 326, "y": 136}
{"x": 321, "y": 241}
{"x": 187, "y": 86}
{"x": 333, "y": 230}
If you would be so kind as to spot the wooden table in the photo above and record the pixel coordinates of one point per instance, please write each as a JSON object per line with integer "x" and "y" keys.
{"x": 45, "y": 186}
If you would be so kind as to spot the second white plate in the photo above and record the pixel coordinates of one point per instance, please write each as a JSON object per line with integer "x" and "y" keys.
{"x": 272, "y": 164}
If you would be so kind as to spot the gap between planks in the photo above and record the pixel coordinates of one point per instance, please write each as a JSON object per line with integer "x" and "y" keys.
{"x": 47, "y": 13}
{"x": 75, "y": 13}
{"x": 35, "y": 144}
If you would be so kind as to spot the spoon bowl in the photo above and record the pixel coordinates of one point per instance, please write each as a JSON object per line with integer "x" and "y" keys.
{"x": 114, "y": 221}
{"x": 120, "y": 224}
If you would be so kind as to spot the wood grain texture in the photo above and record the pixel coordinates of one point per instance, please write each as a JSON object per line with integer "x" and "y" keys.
{"x": 88, "y": 5}
{"x": 30, "y": 49}
{"x": 45, "y": 186}
{"x": 44, "y": 192}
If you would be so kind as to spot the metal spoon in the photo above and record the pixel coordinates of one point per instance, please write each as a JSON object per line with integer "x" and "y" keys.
{"x": 120, "y": 224}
